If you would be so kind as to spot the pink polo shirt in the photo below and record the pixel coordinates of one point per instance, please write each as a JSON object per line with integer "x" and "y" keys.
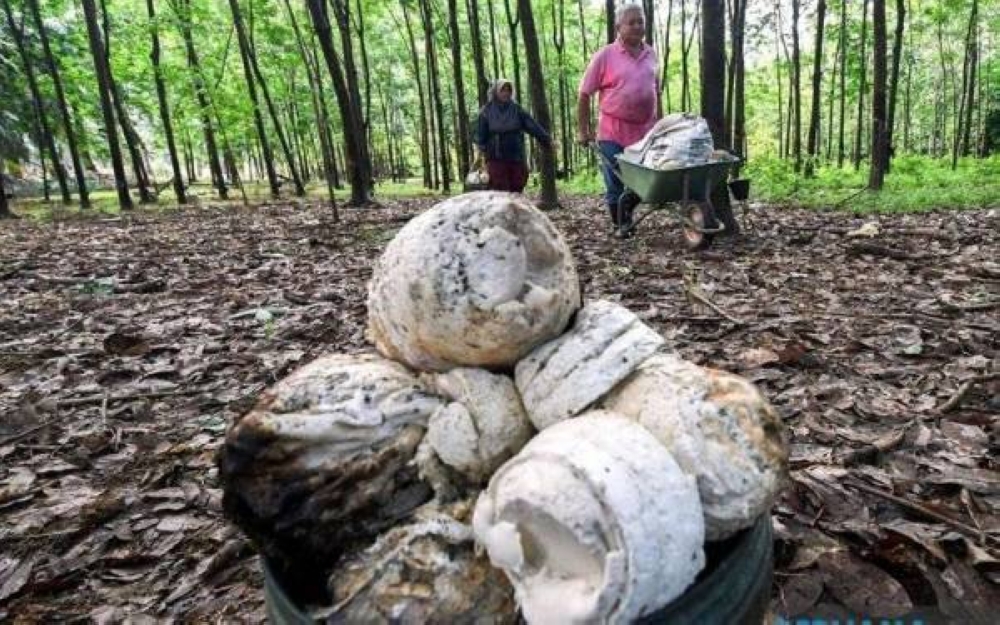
{"x": 628, "y": 88}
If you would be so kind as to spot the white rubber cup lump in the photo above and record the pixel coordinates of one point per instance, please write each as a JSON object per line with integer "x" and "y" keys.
{"x": 561, "y": 378}
{"x": 324, "y": 459}
{"x": 478, "y": 280}
{"x": 593, "y": 521}
{"x": 483, "y": 426}
{"x": 719, "y": 428}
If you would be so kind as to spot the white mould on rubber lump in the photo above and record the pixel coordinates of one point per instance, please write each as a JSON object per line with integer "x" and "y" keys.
{"x": 593, "y": 521}
{"x": 719, "y": 428}
{"x": 561, "y": 378}
{"x": 323, "y": 462}
{"x": 478, "y": 280}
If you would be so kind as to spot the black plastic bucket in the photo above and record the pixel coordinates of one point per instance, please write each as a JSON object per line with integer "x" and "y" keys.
{"x": 735, "y": 586}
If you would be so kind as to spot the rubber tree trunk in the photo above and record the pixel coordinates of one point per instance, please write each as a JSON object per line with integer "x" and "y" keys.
{"x": 842, "y": 118}
{"x": 258, "y": 119}
{"x": 4, "y": 207}
{"x": 358, "y": 171}
{"x": 44, "y": 130}
{"x": 513, "y": 21}
{"x": 880, "y": 132}
{"x": 609, "y": 20}
{"x": 107, "y": 108}
{"x": 272, "y": 110}
{"x": 425, "y": 158}
{"x": 862, "y": 87}
{"x": 164, "y": 105}
{"x": 464, "y": 137}
{"x": 430, "y": 50}
{"x": 342, "y": 12}
{"x": 897, "y": 53}
{"x": 478, "y": 56}
{"x": 539, "y": 101}
{"x": 664, "y": 77}
{"x": 713, "y": 96}
{"x": 133, "y": 143}
{"x": 796, "y": 88}
{"x": 183, "y": 9}
{"x": 319, "y": 111}
{"x": 812, "y": 147}
{"x": 738, "y": 99}
{"x": 67, "y": 120}
{"x": 964, "y": 117}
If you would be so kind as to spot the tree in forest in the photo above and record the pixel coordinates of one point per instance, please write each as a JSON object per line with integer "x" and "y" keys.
{"x": 736, "y": 82}
{"x": 796, "y": 110}
{"x": 424, "y": 142}
{"x": 964, "y": 117}
{"x": 272, "y": 110}
{"x": 4, "y": 207}
{"x": 434, "y": 89}
{"x": 539, "y": 101}
{"x": 841, "y": 119}
{"x": 880, "y": 132}
{"x": 359, "y": 167}
{"x": 182, "y": 9}
{"x": 464, "y": 135}
{"x": 60, "y": 92}
{"x": 713, "y": 96}
{"x": 44, "y": 129}
{"x": 862, "y": 87}
{"x": 101, "y": 69}
{"x": 133, "y": 142}
{"x": 164, "y": 106}
{"x": 318, "y": 101}
{"x": 258, "y": 119}
{"x": 812, "y": 148}
{"x": 478, "y": 55}
{"x": 897, "y": 53}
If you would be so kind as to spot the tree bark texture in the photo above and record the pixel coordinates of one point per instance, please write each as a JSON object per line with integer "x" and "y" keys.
{"x": 164, "y": 106}
{"x": 359, "y": 168}
{"x": 107, "y": 108}
{"x": 258, "y": 119}
{"x": 539, "y": 101}
{"x": 44, "y": 130}
{"x": 182, "y": 8}
{"x": 880, "y": 132}
{"x": 713, "y": 96}
{"x": 817, "y": 84}
{"x": 67, "y": 120}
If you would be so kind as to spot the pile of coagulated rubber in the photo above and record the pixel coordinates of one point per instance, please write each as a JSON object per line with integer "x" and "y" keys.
{"x": 507, "y": 448}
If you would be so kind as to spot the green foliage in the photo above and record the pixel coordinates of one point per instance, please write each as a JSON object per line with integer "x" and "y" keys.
{"x": 931, "y": 81}
{"x": 915, "y": 184}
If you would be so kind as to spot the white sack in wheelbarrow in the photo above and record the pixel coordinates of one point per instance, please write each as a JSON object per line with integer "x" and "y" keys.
{"x": 677, "y": 140}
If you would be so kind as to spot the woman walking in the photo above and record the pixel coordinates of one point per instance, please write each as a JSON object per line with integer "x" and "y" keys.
{"x": 500, "y": 138}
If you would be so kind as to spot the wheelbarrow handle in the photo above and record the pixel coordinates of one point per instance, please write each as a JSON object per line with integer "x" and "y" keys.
{"x": 608, "y": 162}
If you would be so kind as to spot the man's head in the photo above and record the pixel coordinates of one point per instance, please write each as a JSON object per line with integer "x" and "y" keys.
{"x": 630, "y": 23}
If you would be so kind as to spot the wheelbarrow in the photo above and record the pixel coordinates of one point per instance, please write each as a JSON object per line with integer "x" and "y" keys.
{"x": 687, "y": 190}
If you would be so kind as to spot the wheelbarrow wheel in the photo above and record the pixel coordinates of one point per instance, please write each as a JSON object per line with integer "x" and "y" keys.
{"x": 697, "y": 217}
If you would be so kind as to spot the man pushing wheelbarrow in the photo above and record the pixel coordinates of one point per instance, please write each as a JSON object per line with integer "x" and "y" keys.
{"x": 659, "y": 163}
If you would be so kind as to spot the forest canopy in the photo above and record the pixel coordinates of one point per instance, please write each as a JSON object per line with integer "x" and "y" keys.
{"x": 299, "y": 94}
